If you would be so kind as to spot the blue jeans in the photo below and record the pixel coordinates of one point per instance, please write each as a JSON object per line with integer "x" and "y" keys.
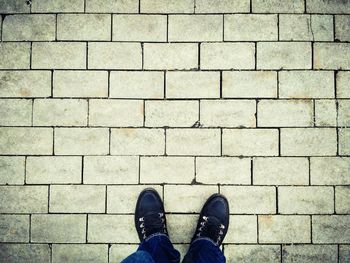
{"x": 159, "y": 249}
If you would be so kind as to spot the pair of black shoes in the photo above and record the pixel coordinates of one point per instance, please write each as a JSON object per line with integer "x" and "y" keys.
{"x": 212, "y": 224}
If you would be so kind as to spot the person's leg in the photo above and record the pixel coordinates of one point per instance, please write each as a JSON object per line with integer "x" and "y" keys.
{"x": 139, "y": 257}
{"x": 211, "y": 230}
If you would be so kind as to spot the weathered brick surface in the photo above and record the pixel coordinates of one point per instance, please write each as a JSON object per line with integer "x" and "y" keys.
{"x": 12, "y": 170}
{"x": 107, "y": 6}
{"x": 14, "y": 55}
{"x": 331, "y": 228}
{"x": 331, "y": 56}
{"x": 330, "y": 170}
{"x": 15, "y": 112}
{"x": 253, "y": 253}
{"x": 325, "y": 113}
{"x": 224, "y": 6}
{"x": 277, "y": 6}
{"x": 342, "y": 27}
{"x": 14, "y": 228}
{"x": 309, "y": 253}
{"x": 80, "y": 253}
{"x": 23, "y": 253}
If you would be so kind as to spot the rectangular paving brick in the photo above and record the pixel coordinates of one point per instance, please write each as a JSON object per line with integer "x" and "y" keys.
{"x": 59, "y": 228}
{"x": 111, "y": 169}
{"x": 342, "y": 27}
{"x": 57, "y": 6}
{"x": 243, "y": 229}
{"x": 16, "y": 112}
{"x": 228, "y": 113}
{"x": 196, "y": 28}
{"x": 29, "y": 28}
{"x": 307, "y": 142}
{"x": 224, "y": 6}
{"x": 14, "y": 55}
{"x": 331, "y": 56}
{"x": 167, "y": 169}
{"x": 77, "y": 199}
{"x": 330, "y": 170}
{"x": 83, "y": 253}
{"x": 344, "y": 113}
{"x": 250, "y": 142}
{"x": 249, "y": 84}
{"x": 15, "y": 6}
{"x": 53, "y": 170}
{"x": 166, "y": 6}
{"x": 12, "y": 170}
{"x": 325, "y": 113}
{"x": 84, "y": 27}
{"x": 223, "y": 170}
{"x": 277, "y": 6}
{"x": 250, "y": 199}
{"x": 331, "y": 229}
{"x": 309, "y": 253}
{"x": 343, "y": 87}
{"x": 187, "y": 224}
{"x": 58, "y": 55}
{"x": 342, "y": 194}
{"x": 197, "y": 84}
{"x": 227, "y": 56}
{"x": 23, "y": 199}
{"x": 344, "y": 253}
{"x": 320, "y": 6}
{"x": 81, "y": 141}
{"x": 24, "y": 253}
{"x": 193, "y": 142}
{"x": 103, "y": 113}
{"x": 262, "y": 253}
{"x": 14, "y": 228}
{"x": 137, "y": 84}
{"x": 283, "y": 55}
{"x": 171, "y": 113}
{"x": 80, "y": 83}
{"x": 34, "y": 141}
{"x": 284, "y": 229}
{"x": 256, "y": 27}
{"x": 344, "y": 139}
{"x": 110, "y": 6}
{"x": 170, "y": 56}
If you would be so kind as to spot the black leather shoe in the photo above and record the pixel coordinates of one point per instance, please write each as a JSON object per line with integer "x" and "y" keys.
{"x": 213, "y": 220}
{"x": 149, "y": 214}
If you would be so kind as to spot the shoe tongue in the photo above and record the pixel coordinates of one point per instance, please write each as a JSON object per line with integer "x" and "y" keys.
{"x": 212, "y": 227}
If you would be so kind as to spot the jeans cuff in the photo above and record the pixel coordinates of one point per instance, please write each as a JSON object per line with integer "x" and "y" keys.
{"x": 204, "y": 238}
{"x": 156, "y": 235}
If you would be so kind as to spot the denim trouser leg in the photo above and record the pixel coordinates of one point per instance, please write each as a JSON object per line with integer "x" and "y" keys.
{"x": 204, "y": 251}
{"x": 158, "y": 249}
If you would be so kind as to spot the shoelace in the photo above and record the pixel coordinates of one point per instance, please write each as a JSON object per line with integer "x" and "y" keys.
{"x": 212, "y": 228}
{"x": 152, "y": 223}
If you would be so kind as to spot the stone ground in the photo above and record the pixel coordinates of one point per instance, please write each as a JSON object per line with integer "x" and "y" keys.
{"x": 102, "y": 98}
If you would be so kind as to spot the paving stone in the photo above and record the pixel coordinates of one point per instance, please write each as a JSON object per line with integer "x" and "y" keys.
{"x": 342, "y": 27}
{"x": 108, "y": 55}
{"x": 276, "y": 6}
{"x": 284, "y": 229}
{"x": 224, "y": 6}
{"x": 80, "y": 84}
{"x": 309, "y": 253}
{"x": 343, "y": 86}
{"x": 227, "y": 56}
{"x": 136, "y": 84}
{"x": 53, "y": 170}
{"x": 112, "y": 229}
{"x": 14, "y": 55}
{"x": 84, "y": 27}
{"x": 15, "y": 112}
{"x": 331, "y": 56}
{"x": 253, "y": 253}
{"x": 344, "y": 253}
{"x": 118, "y": 252}
{"x": 80, "y": 253}
{"x": 55, "y": 6}
{"x": 280, "y": 171}
{"x": 344, "y": 141}
{"x": 192, "y": 84}
{"x": 250, "y": 199}
{"x": 25, "y": 253}
{"x": 196, "y": 28}
{"x": 12, "y": 170}
{"x": 306, "y": 200}
{"x": 167, "y": 169}
{"x": 59, "y": 55}
{"x": 187, "y": 224}
{"x": 29, "y": 28}
{"x": 223, "y": 170}
{"x": 306, "y": 84}
{"x": 170, "y": 56}
{"x": 23, "y": 199}
{"x": 25, "y": 83}
{"x": 34, "y": 141}
{"x": 227, "y": 113}
{"x": 250, "y": 142}
{"x": 60, "y": 112}
{"x": 322, "y": 6}
{"x": 249, "y": 84}
{"x": 121, "y": 199}
{"x": 306, "y": 27}
{"x": 307, "y": 142}
{"x": 134, "y": 141}
{"x": 127, "y": 28}
{"x": 103, "y": 113}
{"x": 344, "y": 113}
{"x": 14, "y": 228}
{"x": 243, "y": 229}
{"x": 77, "y": 199}
{"x": 193, "y": 142}
{"x": 331, "y": 229}
{"x": 252, "y": 27}
{"x": 283, "y": 55}
{"x": 59, "y": 228}
{"x": 81, "y": 141}
{"x": 286, "y": 113}
{"x": 15, "y": 6}
{"x": 342, "y": 194}
{"x": 112, "y": 6}
{"x": 193, "y": 195}
{"x": 330, "y": 170}
{"x": 167, "y": 6}
{"x": 111, "y": 170}
{"x": 325, "y": 113}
